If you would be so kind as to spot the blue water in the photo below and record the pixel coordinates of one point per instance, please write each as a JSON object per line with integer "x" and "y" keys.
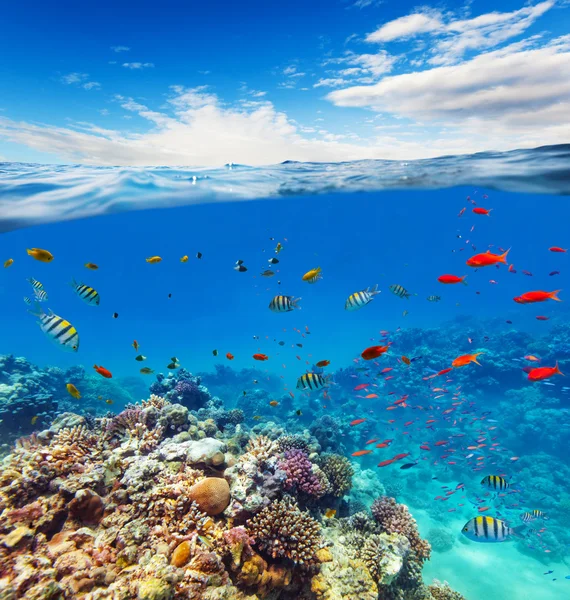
{"x": 391, "y": 236}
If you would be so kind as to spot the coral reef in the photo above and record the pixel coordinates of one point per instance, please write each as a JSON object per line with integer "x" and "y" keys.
{"x": 338, "y": 471}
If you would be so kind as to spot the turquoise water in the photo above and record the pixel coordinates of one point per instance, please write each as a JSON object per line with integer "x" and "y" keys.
{"x": 407, "y": 237}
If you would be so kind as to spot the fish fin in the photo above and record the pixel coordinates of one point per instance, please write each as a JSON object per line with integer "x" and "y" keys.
{"x": 503, "y": 257}
{"x": 463, "y": 280}
{"x": 73, "y": 283}
{"x": 557, "y": 369}
{"x": 553, "y": 295}
{"x": 516, "y": 531}
{"x": 474, "y": 359}
{"x": 37, "y": 310}
{"x": 295, "y": 302}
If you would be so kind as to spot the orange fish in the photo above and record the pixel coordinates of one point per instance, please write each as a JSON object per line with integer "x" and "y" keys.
{"x": 483, "y": 508}
{"x": 557, "y": 249}
{"x": 371, "y": 441}
{"x": 385, "y": 463}
{"x": 361, "y": 452}
{"x": 532, "y": 357}
{"x": 261, "y": 357}
{"x": 449, "y": 279}
{"x": 274, "y": 403}
{"x": 382, "y": 445}
{"x": 357, "y": 422}
{"x": 479, "y": 210}
{"x": 374, "y": 352}
{"x": 465, "y": 359}
{"x": 136, "y": 345}
{"x": 230, "y": 356}
{"x": 361, "y": 386}
{"x": 406, "y": 360}
{"x": 371, "y": 396}
{"x": 323, "y": 363}
{"x": 103, "y": 371}
{"x": 386, "y": 370}
{"x": 541, "y": 373}
{"x": 487, "y": 259}
{"x": 538, "y": 296}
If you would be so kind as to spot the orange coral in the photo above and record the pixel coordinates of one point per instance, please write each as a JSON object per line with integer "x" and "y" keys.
{"x": 212, "y": 495}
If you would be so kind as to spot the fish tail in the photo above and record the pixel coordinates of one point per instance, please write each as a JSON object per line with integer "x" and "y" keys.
{"x": 73, "y": 283}
{"x": 557, "y": 369}
{"x": 295, "y": 302}
{"x": 36, "y": 310}
{"x": 503, "y": 257}
{"x": 474, "y": 359}
{"x": 463, "y": 280}
{"x": 553, "y": 295}
{"x": 374, "y": 290}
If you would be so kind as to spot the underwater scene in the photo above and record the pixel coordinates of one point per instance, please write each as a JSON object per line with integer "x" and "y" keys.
{"x": 332, "y": 395}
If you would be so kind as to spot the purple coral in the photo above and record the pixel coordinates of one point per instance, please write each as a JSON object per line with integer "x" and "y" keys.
{"x": 299, "y": 470}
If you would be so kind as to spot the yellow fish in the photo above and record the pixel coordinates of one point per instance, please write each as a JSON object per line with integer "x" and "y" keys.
{"x": 184, "y": 258}
{"x": 257, "y": 417}
{"x": 35, "y": 419}
{"x": 274, "y": 403}
{"x": 146, "y": 371}
{"x": 109, "y": 401}
{"x": 92, "y": 266}
{"x": 8, "y": 263}
{"x": 73, "y": 391}
{"x": 313, "y": 275}
{"x": 330, "y": 513}
{"x": 39, "y": 254}
{"x": 153, "y": 259}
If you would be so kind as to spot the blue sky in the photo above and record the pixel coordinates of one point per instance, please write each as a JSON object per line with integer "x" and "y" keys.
{"x": 257, "y": 82}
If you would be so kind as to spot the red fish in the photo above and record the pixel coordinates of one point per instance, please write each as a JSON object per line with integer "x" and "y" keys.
{"x": 385, "y": 463}
{"x": 261, "y": 357}
{"x": 372, "y": 441}
{"x": 400, "y": 456}
{"x": 361, "y": 453}
{"x": 487, "y": 259}
{"x": 482, "y": 211}
{"x": 386, "y": 370}
{"x": 230, "y": 356}
{"x": 483, "y": 508}
{"x": 425, "y": 447}
{"x": 465, "y": 359}
{"x": 382, "y": 445}
{"x": 541, "y": 373}
{"x": 449, "y": 279}
{"x": 542, "y": 318}
{"x": 538, "y": 296}
{"x": 103, "y": 371}
{"x": 461, "y": 212}
{"x": 357, "y": 422}
{"x": 445, "y": 371}
{"x": 323, "y": 363}
{"x": 361, "y": 386}
{"x": 557, "y": 249}
{"x": 441, "y": 443}
{"x": 374, "y": 352}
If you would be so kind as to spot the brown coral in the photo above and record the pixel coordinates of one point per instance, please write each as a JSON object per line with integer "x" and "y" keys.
{"x": 212, "y": 495}
{"x": 338, "y": 472}
{"x": 87, "y": 507}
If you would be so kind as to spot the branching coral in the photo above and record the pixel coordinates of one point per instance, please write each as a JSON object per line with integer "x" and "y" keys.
{"x": 442, "y": 591}
{"x": 291, "y": 442}
{"x": 283, "y": 531}
{"x": 339, "y": 472}
{"x": 300, "y": 476}
{"x": 261, "y": 448}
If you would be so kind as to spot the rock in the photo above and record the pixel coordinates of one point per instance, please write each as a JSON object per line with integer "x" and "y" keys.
{"x": 154, "y": 589}
{"x": 212, "y": 495}
{"x": 21, "y": 536}
{"x": 209, "y": 451}
{"x": 87, "y": 507}
{"x": 181, "y": 554}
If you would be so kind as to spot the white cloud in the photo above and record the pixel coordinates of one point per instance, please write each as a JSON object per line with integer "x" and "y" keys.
{"x": 104, "y": 111}
{"x": 91, "y": 85}
{"x": 80, "y": 79}
{"x": 138, "y": 65}
{"x": 406, "y": 27}
{"x": 331, "y": 82}
{"x": 291, "y": 70}
{"x": 120, "y": 48}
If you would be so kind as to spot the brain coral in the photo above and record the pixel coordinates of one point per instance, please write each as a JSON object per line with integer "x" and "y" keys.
{"x": 339, "y": 472}
{"x": 212, "y": 495}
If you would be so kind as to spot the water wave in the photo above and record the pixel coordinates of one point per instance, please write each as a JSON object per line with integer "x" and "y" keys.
{"x": 32, "y": 194}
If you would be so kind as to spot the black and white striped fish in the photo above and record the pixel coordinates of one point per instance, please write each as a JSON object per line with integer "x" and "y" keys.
{"x": 27, "y": 301}
{"x": 495, "y": 482}
{"x": 57, "y": 329}
{"x": 311, "y": 381}
{"x": 532, "y": 515}
{"x": 360, "y": 299}
{"x": 86, "y": 293}
{"x": 35, "y": 283}
{"x": 40, "y": 295}
{"x": 283, "y": 303}
{"x": 400, "y": 291}
{"x": 487, "y": 530}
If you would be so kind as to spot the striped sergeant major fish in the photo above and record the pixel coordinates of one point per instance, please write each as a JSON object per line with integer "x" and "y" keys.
{"x": 283, "y": 303}
{"x": 86, "y": 293}
{"x": 487, "y": 530}
{"x": 27, "y": 301}
{"x": 57, "y": 329}
{"x": 40, "y": 295}
{"x": 495, "y": 482}
{"x": 360, "y": 299}
{"x": 400, "y": 291}
{"x": 433, "y": 298}
{"x": 35, "y": 283}
{"x": 532, "y": 515}
{"x": 312, "y": 381}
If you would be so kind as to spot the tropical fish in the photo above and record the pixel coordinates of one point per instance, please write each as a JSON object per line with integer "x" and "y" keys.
{"x": 230, "y": 356}
{"x": 374, "y": 352}
{"x": 135, "y": 345}
{"x": 487, "y": 259}
{"x": 330, "y": 513}
{"x": 268, "y": 273}
{"x": 260, "y": 357}
{"x": 146, "y": 371}
{"x": 274, "y": 403}
{"x": 273, "y": 261}
{"x": 56, "y": 328}
{"x": 406, "y": 360}
{"x": 40, "y": 295}
{"x": 538, "y": 296}
{"x": 400, "y": 291}
{"x": 108, "y": 401}
{"x": 311, "y": 381}
{"x": 281, "y": 304}
{"x": 184, "y": 259}
{"x": 361, "y": 453}
{"x": 450, "y": 279}
{"x": 153, "y": 259}
{"x": 433, "y": 298}
{"x": 91, "y": 266}
{"x": 465, "y": 359}
{"x": 34, "y": 419}
{"x": 115, "y": 315}
{"x": 73, "y": 391}
{"x": 487, "y": 530}
{"x": 9, "y": 263}
{"x": 360, "y": 299}
{"x": 479, "y": 210}
{"x": 541, "y": 373}
{"x": 495, "y": 482}
{"x": 173, "y": 365}
{"x": 240, "y": 267}
{"x": 27, "y": 301}
{"x": 37, "y": 285}
{"x": 140, "y": 357}
{"x": 39, "y": 254}
{"x": 86, "y": 293}
{"x": 278, "y": 248}
{"x": 104, "y": 372}
{"x": 215, "y": 352}
{"x": 323, "y": 363}
{"x": 532, "y": 515}
{"x": 557, "y": 249}
{"x": 199, "y": 255}
{"x": 357, "y": 422}
{"x": 313, "y": 275}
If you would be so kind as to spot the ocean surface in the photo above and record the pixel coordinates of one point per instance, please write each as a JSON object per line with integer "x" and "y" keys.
{"x": 364, "y": 224}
